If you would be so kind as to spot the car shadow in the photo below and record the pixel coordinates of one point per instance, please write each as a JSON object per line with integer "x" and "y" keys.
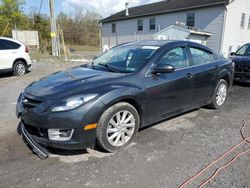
{"x": 5, "y": 75}
{"x": 170, "y": 118}
{"x": 10, "y": 74}
{"x": 73, "y": 152}
{"x": 242, "y": 84}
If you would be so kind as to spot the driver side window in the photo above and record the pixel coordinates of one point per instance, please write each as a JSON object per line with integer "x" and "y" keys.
{"x": 176, "y": 57}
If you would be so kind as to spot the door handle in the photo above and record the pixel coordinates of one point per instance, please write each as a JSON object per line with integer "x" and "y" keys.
{"x": 189, "y": 75}
{"x": 216, "y": 66}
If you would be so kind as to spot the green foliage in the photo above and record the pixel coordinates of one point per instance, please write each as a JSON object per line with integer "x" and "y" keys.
{"x": 79, "y": 29}
{"x": 11, "y": 14}
{"x": 42, "y": 25}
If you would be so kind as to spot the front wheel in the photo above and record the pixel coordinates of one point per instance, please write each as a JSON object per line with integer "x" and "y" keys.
{"x": 220, "y": 95}
{"x": 117, "y": 127}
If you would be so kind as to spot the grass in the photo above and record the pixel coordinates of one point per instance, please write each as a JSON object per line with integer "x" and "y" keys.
{"x": 80, "y": 49}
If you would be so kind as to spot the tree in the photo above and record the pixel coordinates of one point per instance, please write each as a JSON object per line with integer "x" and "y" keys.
{"x": 12, "y": 15}
{"x": 42, "y": 25}
{"x": 80, "y": 28}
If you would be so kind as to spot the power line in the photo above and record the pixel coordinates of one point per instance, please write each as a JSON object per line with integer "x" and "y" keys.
{"x": 40, "y": 7}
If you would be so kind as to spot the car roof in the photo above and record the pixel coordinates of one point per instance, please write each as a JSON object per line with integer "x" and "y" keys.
{"x": 162, "y": 43}
{"x": 152, "y": 42}
{"x": 11, "y": 39}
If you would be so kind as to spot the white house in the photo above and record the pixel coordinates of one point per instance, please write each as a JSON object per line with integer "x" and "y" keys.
{"x": 228, "y": 22}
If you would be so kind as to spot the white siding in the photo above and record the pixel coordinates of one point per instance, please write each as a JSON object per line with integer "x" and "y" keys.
{"x": 208, "y": 19}
{"x": 234, "y": 35}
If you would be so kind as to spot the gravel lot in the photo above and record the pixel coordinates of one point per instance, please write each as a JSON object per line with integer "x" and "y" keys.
{"x": 163, "y": 155}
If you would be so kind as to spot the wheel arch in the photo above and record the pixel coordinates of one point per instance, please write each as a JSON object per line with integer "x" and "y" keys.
{"x": 130, "y": 100}
{"x": 20, "y": 59}
{"x": 225, "y": 75}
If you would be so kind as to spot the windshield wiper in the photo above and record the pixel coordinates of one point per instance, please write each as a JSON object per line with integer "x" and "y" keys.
{"x": 110, "y": 67}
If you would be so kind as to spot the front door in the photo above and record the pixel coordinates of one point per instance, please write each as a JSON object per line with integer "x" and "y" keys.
{"x": 170, "y": 93}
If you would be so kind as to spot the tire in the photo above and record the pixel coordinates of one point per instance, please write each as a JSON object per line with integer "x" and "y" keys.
{"x": 220, "y": 95}
{"x": 112, "y": 135}
{"x": 19, "y": 69}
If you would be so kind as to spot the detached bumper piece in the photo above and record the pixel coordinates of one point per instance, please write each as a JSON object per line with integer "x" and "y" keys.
{"x": 41, "y": 152}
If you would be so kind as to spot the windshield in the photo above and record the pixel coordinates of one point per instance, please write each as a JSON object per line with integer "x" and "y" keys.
{"x": 244, "y": 50}
{"x": 125, "y": 59}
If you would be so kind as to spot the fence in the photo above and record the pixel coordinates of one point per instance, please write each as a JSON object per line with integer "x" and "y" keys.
{"x": 29, "y": 38}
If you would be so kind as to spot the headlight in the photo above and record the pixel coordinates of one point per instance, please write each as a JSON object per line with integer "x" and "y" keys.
{"x": 73, "y": 103}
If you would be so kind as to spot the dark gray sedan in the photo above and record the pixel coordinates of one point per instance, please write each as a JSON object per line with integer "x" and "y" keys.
{"x": 129, "y": 87}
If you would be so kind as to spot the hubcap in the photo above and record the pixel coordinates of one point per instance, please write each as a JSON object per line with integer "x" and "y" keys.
{"x": 221, "y": 94}
{"x": 120, "y": 128}
{"x": 20, "y": 69}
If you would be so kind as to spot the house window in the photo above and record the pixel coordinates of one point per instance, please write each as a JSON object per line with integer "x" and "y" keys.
{"x": 139, "y": 25}
{"x": 243, "y": 19}
{"x": 249, "y": 23}
{"x": 191, "y": 19}
{"x": 113, "y": 28}
{"x": 152, "y": 23}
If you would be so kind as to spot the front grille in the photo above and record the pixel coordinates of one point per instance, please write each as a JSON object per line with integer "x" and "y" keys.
{"x": 30, "y": 103}
{"x": 242, "y": 68}
{"x": 35, "y": 131}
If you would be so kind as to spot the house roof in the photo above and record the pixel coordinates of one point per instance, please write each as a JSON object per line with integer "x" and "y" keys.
{"x": 162, "y": 7}
{"x": 191, "y": 30}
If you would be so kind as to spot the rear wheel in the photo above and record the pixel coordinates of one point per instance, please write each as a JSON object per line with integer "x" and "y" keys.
{"x": 19, "y": 68}
{"x": 220, "y": 95}
{"x": 117, "y": 127}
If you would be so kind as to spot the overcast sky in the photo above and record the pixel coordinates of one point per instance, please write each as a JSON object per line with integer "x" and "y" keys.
{"x": 103, "y": 7}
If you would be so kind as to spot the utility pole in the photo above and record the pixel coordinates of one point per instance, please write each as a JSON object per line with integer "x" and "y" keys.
{"x": 53, "y": 33}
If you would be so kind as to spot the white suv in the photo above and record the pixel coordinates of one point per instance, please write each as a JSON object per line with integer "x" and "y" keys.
{"x": 14, "y": 56}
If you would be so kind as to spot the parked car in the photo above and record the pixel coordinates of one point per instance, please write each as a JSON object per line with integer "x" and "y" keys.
{"x": 14, "y": 56}
{"x": 241, "y": 58}
{"x": 129, "y": 87}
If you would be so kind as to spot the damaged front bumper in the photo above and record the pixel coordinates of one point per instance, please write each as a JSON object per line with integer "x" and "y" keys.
{"x": 41, "y": 152}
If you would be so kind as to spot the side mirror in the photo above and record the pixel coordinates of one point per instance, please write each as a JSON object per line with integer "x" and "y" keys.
{"x": 163, "y": 68}
{"x": 232, "y": 53}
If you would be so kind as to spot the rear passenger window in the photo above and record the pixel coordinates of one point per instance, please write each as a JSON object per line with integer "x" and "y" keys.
{"x": 12, "y": 45}
{"x": 201, "y": 57}
{"x": 8, "y": 45}
{"x": 176, "y": 57}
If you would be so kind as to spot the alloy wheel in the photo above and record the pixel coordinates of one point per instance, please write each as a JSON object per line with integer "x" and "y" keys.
{"x": 20, "y": 69}
{"x": 221, "y": 94}
{"x": 120, "y": 128}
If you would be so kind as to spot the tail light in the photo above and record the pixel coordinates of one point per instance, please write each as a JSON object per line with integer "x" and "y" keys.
{"x": 26, "y": 49}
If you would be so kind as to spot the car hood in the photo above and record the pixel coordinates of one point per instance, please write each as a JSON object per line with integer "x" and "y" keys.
{"x": 241, "y": 60}
{"x": 74, "y": 81}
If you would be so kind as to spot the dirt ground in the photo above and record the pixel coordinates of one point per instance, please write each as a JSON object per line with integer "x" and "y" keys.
{"x": 163, "y": 155}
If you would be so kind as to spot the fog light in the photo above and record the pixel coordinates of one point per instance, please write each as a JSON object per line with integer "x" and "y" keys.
{"x": 60, "y": 134}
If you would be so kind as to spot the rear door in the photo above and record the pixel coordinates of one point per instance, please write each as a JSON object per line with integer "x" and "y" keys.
{"x": 205, "y": 69}
{"x": 171, "y": 93}
{"x": 8, "y": 53}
